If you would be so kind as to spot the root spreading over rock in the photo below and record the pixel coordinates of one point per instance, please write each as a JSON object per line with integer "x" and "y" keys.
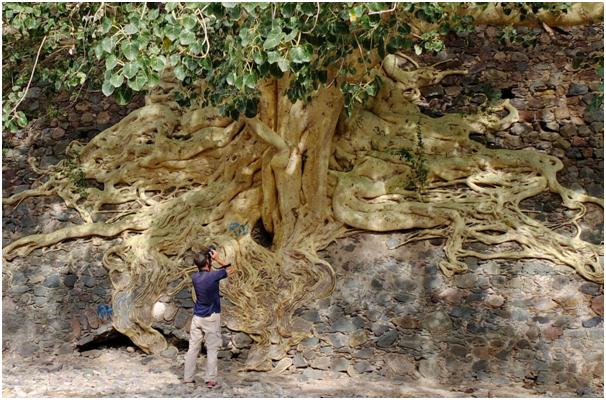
{"x": 180, "y": 179}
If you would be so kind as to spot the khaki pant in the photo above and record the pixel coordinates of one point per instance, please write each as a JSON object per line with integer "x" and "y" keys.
{"x": 201, "y": 327}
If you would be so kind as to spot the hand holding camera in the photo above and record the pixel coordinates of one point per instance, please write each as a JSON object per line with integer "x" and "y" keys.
{"x": 213, "y": 254}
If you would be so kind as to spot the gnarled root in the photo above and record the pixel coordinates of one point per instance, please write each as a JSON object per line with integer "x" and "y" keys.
{"x": 182, "y": 179}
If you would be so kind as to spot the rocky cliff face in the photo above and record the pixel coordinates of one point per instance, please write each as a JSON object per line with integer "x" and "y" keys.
{"x": 393, "y": 313}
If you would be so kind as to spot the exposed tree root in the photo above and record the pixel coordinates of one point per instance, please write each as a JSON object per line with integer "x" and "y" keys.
{"x": 188, "y": 178}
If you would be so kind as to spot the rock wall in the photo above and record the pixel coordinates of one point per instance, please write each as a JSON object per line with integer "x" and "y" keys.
{"x": 393, "y": 313}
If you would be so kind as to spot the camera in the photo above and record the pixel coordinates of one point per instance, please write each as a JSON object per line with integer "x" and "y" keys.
{"x": 209, "y": 253}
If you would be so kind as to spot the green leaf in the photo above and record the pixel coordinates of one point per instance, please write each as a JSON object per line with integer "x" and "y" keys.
{"x": 130, "y": 69}
{"x": 187, "y": 37}
{"x": 107, "y": 44}
{"x": 130, "y": 50}
{"x": 308, "y": 9}
{"x": 175, "y": 59}
{"x": 130, "y": 29}
{"x": 230, "y": 78}
{"x": 170, "y": 6}
{"x": 153, "y": 14}
{"x": 117, "y": 79}
{"x": 283, "y": 64}
{"x": 301, "y": 54}
{"x": 244, "y": 37}
{"x": 123, "y": 95}
{"x": 110, "y": 62}
{"x": 259, "y": 58}
{"x": 190, "y": 63}
{"x": 21, "y": 119}
{"x": 180, "y": 72}
{"x": 195, "y": 48}
{"x": 188, "y": 22}
{"x": 418, "y": 50}
{"x": 250, "y": 80}
{"x": 81, "y": 76}
{"x": 98, "y": 51}
{"x": 153, "y": 80}
{"x": 234, "y": 13}
{"x": 239, "y": 82}
{"x": 273, "y": 39}
{"x": 171, "y": 32}
{"x": 158, "y": 63}
{"x": 251, "y": 8}
{"x": 356, "y": 13}
{"x": 372, "y": 89}
{"x": 107, "y": 88}
{"x": 106, "y": 25}
{"x": 288, "y": 9}
{"x": 273, "y": 57}
{"x": 293, "y": 34}
{"x": 139, "y": 82}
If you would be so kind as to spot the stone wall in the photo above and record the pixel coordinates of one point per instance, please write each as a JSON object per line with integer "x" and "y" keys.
{"x": 393, "y": 313}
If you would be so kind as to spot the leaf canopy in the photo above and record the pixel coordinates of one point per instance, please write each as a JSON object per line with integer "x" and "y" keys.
{"x": 232, "y": 46}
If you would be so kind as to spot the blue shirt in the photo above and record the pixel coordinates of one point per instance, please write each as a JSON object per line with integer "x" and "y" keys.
{"x": 206, "y": 285}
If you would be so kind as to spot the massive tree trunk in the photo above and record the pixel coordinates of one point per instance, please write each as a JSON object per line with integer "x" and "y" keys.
{"x": 187, "y": 178}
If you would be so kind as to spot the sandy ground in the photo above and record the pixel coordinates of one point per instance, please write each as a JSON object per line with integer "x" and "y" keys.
{"x": 115, "y": 372}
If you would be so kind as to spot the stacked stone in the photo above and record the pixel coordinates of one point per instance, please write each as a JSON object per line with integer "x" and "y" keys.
{"x": 501, "y": 322}
{"x": 552, "y": 85}
{"x": 52, "y": 302}
{"x": 60, "y": 120}
{"x": 393, "y": 314}
{"x": 51, "y": 299}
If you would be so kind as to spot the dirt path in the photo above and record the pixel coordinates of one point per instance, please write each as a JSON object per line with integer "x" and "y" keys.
{"x": 115, "y": 372}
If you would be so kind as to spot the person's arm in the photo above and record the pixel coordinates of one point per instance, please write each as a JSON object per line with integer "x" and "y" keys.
{"x": 228, "y": 267}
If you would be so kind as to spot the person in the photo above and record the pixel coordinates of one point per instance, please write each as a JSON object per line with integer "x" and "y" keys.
{"x": 206, "y": 322}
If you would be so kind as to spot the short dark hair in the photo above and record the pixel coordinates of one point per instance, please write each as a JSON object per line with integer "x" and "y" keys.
{"x": 201, "y": 260}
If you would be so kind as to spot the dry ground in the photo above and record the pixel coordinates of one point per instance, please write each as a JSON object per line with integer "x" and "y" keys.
{"x": 115, "y": 372}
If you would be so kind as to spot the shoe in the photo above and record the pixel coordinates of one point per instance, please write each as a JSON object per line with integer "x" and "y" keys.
{"x": 212, "y": 384}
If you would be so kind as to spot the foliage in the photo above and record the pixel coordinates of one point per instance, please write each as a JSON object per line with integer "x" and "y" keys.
{"x": 76, "y": 177}
{"x": 123, "y": 48}
{"x": 493, "y": 95}
{"x": 63, "y": 62}
{"x": 417, "y": 161}
{"x": 597, "y": 101}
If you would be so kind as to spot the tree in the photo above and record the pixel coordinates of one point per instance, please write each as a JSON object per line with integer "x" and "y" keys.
{"x": 301, "y": 117}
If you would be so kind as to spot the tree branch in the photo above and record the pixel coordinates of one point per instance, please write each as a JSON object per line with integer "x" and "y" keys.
{"x": 393, "y": 8}
{"x": 30, "y": 77}
{"x": 266, "y": 133}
